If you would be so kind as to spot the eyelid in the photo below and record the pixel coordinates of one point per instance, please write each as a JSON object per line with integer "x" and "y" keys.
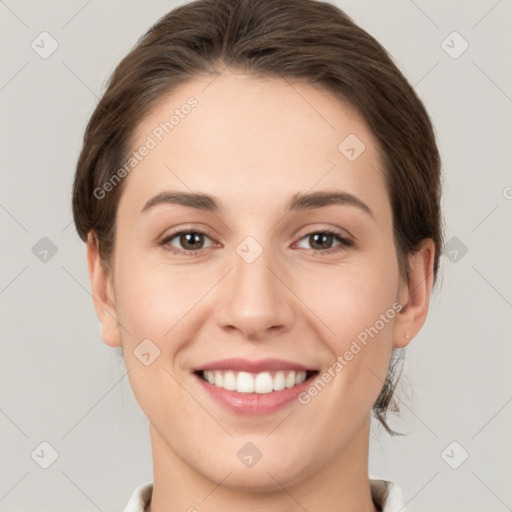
{"x": 193, "y": 228}
{"x": 342, "y": 233}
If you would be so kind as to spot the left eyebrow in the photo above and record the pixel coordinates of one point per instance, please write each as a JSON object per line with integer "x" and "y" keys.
{"x": 312, "y": 200}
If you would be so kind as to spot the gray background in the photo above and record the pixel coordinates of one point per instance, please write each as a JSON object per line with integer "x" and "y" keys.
{"x": 62, "y": 385}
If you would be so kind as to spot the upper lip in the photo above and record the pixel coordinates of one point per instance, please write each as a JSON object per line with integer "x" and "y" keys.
{"x": 246, "y": 365}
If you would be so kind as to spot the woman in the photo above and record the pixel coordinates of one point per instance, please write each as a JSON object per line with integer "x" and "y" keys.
{"x": 259, "y": 193}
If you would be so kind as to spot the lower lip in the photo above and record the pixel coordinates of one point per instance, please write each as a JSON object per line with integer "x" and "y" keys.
{"x": 254, "y": 404}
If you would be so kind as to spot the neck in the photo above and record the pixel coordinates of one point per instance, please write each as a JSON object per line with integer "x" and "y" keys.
{"x": 341, "y": 484}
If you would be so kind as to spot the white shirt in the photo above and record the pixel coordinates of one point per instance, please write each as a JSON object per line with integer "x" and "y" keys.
{"x": 384, "y": 493}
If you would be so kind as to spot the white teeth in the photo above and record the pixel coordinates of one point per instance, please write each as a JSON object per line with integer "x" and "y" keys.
{"x": 229, "y": 381}
{"x": 279, "y": 381}
{"x": 245, "y": 382}
{"x": 263, "y": 383}
{"x": 290, "y": 380}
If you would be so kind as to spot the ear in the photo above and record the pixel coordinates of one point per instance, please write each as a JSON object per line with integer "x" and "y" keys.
{"x": 415, "y": 294}
{"x": 102, "y": 294}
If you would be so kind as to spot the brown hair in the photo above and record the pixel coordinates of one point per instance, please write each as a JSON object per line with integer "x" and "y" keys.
{"x": 306, "y": 41}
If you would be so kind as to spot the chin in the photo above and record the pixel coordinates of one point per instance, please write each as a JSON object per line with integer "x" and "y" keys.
{"x": 263, "y": 477}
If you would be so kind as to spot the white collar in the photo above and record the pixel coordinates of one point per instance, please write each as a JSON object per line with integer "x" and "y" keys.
{"x": 386, "y": 494}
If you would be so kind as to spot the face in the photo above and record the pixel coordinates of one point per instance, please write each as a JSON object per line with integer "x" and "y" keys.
{"x": 270, "y": 276}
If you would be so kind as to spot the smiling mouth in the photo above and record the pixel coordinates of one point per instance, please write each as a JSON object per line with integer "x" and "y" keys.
{"x": 262, "y": 382}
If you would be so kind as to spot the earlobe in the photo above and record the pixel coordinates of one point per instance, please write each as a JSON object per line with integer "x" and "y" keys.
{"x": 102, "y": 294}
{"x": 417, "y": 294}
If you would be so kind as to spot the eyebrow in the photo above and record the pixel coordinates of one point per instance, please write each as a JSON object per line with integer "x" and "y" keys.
{"x": 298, "y": 202}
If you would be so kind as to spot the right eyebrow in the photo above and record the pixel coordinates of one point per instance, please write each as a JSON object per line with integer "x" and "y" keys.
{"x": 199, "y": 201}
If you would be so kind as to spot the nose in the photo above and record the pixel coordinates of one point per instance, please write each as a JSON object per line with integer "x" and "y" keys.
{"x": 255, "y": 299}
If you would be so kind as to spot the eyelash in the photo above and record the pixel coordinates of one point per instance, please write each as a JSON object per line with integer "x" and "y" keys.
{"x": 344, "y": 242}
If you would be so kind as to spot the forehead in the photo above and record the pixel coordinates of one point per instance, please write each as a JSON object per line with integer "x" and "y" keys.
{"x": 254, "y": 141}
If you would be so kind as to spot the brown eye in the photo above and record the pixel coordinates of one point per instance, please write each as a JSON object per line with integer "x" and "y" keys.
{"x": 323, "y": 241}
{"x": 187, "y": 241}
{"x": 191, "y": 241}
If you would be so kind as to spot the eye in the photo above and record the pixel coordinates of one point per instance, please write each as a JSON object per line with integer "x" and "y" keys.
{"x": 321, "y": 241}
{"x": 190, "y": 241}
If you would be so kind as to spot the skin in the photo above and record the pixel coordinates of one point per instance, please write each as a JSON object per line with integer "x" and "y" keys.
{"x": 253, "y": 143}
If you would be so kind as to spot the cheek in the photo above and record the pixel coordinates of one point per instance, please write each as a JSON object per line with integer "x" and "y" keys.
{"x": 155, "y": 304}
{"x": 154, "y": 300}
{"x": 350, "y": 299}
{"x": 359, "y": 306}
